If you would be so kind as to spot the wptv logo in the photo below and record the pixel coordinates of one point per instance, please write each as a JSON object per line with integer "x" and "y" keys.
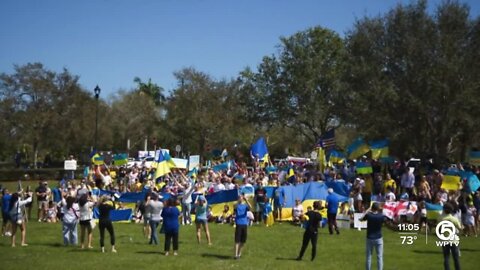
{"x": 447, "y": 233}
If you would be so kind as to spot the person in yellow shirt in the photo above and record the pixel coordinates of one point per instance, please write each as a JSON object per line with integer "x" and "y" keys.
{"x": 389, "y": 183}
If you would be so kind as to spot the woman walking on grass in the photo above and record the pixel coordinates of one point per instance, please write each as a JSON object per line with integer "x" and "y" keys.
{"x": 17, "y": 217}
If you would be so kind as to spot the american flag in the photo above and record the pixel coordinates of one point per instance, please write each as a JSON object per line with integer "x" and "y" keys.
{"x": 327, "y": 140}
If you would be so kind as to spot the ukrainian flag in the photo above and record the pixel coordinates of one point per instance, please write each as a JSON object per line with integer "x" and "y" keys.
{"x": 97, "y": 159}
{"x": 364, "y": 168}
{"x": 474, "y": 158}
{"x": 433, "y": 210}
{"x": 336, "y": 157}
{"x": 259, "y": 150}
{"x": 164, "y": 164}
{"x": 357, "y": 148}
{"x": 379, "y": 149}
{"x": 193, "y": 173}
{"x": 222, "y": 166}
{"x": 120, "y": 159}
{"x": 307, "y": 193}
{"x": 218, "y": 200}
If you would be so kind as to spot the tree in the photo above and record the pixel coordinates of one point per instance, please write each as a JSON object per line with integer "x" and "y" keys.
{"x": 154, "y": 91}
{"x": 45, "y": 110}
{"x": 135, "y": 117}
{"x": 202, "y": 111}
{"x": 299, "y": 88}
{"x": 412, "y": 77}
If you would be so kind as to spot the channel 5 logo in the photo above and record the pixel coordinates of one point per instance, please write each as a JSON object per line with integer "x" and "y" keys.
{"x": 447, "y": 233}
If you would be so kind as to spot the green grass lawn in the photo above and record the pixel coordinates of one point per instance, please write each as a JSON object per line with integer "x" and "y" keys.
{"x": 267, "y": 248}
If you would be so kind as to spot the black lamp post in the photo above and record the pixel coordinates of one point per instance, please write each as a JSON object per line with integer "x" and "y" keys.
{"x": 97, "y": 94}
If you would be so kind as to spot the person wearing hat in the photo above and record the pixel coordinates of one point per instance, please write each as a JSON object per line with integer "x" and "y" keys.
{"x": 332, "y": 209}
{"x": 201, "y": 218}
{"x": 313, "y": 218}
{"x": 375, "y": 219}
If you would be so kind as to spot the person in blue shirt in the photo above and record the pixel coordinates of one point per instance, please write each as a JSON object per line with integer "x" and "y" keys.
{"x": 375, "y": 219}
{"x": 278, "y": 201}
{"x": 332, "y": 209}
{"x": 201, "y": 218}
{"x": 241, "y": 223}
{"x": 6, "y": 196}
{"x": 171, "y": 226}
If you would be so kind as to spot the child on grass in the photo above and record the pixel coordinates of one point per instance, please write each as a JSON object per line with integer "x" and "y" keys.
{"x": 51, "y": 212}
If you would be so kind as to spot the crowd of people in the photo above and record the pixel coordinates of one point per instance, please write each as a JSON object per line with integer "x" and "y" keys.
{"x": 72, "y": 202}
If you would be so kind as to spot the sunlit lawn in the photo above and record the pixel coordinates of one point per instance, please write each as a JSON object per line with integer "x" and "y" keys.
{"x": 267, "y": 248}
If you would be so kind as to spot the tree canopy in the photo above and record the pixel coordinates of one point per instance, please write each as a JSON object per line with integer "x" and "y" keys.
{"x": 408, "y": 75}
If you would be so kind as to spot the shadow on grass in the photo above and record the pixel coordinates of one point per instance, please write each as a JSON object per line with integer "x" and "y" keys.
{"x": 217, "y": 256}
{"x": 428, "y": 252}
{"x": 286, "y": 259}
{"x": 469, "y": 250}
{"x": 55, "y": 245}
{"x": 150, "y": 252}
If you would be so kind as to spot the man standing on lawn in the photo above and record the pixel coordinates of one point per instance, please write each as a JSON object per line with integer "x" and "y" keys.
{"x": 311, "y": 230}
{"x": 375, "y": 219}
{"x": 241, "y": 223}
{"x": 332, "y": 209}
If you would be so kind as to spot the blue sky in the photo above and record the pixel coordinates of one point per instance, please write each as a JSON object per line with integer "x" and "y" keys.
{"x": 109, "y": 42}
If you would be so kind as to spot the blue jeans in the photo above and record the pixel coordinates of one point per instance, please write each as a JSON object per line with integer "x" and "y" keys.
{"x": 378, "y": 245}
{"x": 186, "y": 210}
{"x": 153, "y": 235}
{"x": 70, "y": 233}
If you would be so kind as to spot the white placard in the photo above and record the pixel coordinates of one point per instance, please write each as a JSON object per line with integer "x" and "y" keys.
{"x": 194, "y": 162}
{"x": 357, "y": 224}
{"x": 70, "y": 165}
{"x": 343, "y": 221}
{"x": 180, "y": 163}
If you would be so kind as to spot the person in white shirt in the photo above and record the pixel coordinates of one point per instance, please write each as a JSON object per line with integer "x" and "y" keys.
{"x": 106, "y": 179}
{"x": 70, "y": 220}
{"x": 17, "y": 217}
{"x": 390, "y": 197}
{"x": 219, "y": 186}
{"x": 297, "y": 211}
{"x": 86, "y": 216}
{"x": 228, "y": 184}
{"x": 187, "y": 202}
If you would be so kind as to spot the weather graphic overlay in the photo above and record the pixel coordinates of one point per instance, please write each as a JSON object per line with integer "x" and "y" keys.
{"x": 408, "y": 233}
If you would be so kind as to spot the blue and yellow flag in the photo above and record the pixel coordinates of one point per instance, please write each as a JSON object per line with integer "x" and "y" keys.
{"x": 259, "y": 150}
{"x": 357, "y": 148}
{"x": 474, "y": 158}
{"x": 120, "y": 159}
{"x": 379, "y": 149}
{"x": 336, "y": 157}
{"x": 364, "y": 167}
{"x": 433, "y": 210}
{"x": 164, "y": 164}
{"x": 97, "y": 160}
